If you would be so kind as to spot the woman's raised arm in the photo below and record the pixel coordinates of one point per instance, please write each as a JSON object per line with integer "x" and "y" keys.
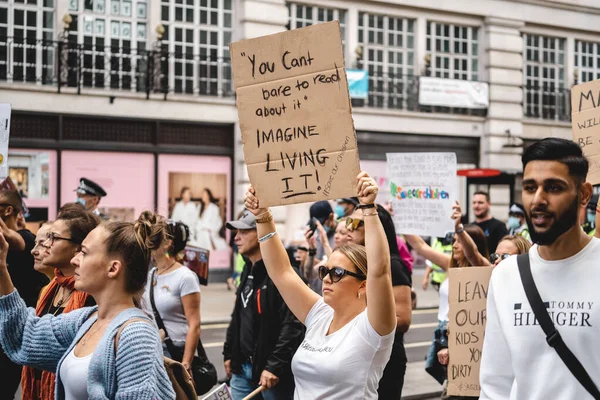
{"x": 436, "y": 257}
{"x": 381, "y": 309}
{"x": 297, "y": 295}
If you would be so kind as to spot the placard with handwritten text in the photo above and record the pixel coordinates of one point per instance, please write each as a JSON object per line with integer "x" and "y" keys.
{"x": 585, "y": 113}
{"x": 424, "y": 188}
{"x": 466, "y": 327}
{"x": 295, "y": 115}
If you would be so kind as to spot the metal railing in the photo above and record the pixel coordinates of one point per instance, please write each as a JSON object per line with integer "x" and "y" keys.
{"x": 547, "y": 103}
{"x": 67, "y": 64}
{"x": 401, "y": 92}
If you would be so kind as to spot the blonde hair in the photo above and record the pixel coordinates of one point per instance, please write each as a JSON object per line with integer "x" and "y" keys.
{"x": 357, "y": 255}
{"x": 520, "y": 243}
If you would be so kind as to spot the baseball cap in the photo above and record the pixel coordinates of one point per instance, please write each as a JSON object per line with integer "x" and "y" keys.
{"x": 246, "y": 221}
{"x": 321, "y": 211}
{"x": 349, "y": 200}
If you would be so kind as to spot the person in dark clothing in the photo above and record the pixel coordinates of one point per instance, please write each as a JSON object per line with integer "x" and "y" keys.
{"x": 263, "y": 334}
{"x": 494, "y": 229}
{"x": 26, "y": 279}
{"x": 392, "y": 381}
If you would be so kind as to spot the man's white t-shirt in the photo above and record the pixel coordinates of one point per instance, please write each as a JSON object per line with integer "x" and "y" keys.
{"x": 168, "y": 291}
{"x": 517, "y": 362}
{"x": 346, "y": 364}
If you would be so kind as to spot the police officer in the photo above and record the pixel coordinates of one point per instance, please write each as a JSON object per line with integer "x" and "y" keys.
{"x": 89, "y": 194}
{"x": 434, "y": 271}
{"x": 589, "y": 225}
{"x": 517, "y": 224}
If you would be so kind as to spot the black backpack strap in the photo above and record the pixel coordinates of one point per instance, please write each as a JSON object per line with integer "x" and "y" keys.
{"x": 552, "y": 335}
{"x": 176, "y": 354}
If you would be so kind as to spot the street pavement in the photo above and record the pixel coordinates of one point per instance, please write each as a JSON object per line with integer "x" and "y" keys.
{"x": 217, "y": 304}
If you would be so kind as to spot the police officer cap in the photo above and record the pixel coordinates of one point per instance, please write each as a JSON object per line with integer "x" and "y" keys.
{"x": 87, "y": 186}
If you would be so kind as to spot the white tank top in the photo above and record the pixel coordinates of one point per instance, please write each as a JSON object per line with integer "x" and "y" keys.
{"x": 74, "y": 374}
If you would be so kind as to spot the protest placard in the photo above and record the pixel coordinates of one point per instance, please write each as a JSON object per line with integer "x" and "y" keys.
{"x": 466, "y": 327}
{"x": 424, "y": 188}
{"x": 295, "y": 115}
{"x": 585, "y": 115}
{"x": 4, "y": 136}
{"x": 219, "y": 393}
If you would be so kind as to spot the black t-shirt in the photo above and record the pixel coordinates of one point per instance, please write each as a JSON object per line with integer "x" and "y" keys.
{"x": 247, "y": 316}
{"x": 399, "y": 278}
{"x": 26, "y": 280}
{"x": 494, "y": 231}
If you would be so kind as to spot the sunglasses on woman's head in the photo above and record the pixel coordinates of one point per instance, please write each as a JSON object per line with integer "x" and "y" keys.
{"x": 495, "y": 256}
{"x": 353, "y": 224}
{"x": 337, "y": 273}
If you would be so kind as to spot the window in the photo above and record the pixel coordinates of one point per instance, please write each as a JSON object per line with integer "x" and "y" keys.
{"x": 26, "y": 48}
{"x": 545, "y": 94}
{"x": 454, "y": 51}
{"x": 587, "y": 61}
{"x": 388, "y": 55}
{"x": 197, "y": 37}
{"x": 113, "y": 34}
{"x": 302, "y": 15}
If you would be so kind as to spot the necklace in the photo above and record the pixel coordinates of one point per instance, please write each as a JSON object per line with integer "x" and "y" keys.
{"x": 61, "y": 302}
{"x": 89, "y": 335}
{"x": 160, "y": 272}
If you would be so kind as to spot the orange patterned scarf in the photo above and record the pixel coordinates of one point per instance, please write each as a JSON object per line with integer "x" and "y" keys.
{"x": 43, "y": 389}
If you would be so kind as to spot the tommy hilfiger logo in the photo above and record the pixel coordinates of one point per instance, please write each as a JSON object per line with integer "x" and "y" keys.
{"x": 562, "y": 313}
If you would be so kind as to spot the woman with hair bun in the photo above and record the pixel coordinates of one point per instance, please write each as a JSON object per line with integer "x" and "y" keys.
{"x": 176, "y": 292}
{"x": 112, "y": 350}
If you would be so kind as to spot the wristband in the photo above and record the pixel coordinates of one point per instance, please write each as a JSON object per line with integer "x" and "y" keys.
{"x": 267, "y": 237}
{"x": 363, "y": 206}
{"x": 312, "y": 252}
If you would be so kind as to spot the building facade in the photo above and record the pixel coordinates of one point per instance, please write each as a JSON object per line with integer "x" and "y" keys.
{"x": 138, "y": 94}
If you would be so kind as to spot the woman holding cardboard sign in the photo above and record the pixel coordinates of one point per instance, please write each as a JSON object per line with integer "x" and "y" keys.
{"x": 347, "y": 344}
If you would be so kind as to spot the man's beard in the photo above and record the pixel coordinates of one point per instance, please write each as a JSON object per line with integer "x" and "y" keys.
{"x": 562, "y": 223}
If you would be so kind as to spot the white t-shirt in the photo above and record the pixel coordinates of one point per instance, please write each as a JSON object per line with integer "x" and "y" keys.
{"x": 346, "y": 364}
{"x": 169, "y": 290}
{"x": 517, "y": 363}
{"x": 444, "y": 308}
{"x": 74, "y": 374}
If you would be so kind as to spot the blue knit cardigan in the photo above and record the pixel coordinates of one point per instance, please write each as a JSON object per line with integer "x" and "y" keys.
{"x": 136, "y": 372}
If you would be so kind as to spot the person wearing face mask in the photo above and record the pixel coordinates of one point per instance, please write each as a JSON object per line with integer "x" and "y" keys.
{"x": 346, "y": 206}
{"x": 516, "y": 222}
{"x": 89, "y": 194}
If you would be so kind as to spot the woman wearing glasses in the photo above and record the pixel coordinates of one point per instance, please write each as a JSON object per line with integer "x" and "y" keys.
{"x": 347, "y": 344}
{"x": 112, "y": 351}
{"x": 63, "y": 240}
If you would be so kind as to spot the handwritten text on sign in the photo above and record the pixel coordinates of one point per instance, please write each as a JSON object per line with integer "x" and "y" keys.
{"x": 424, "y": 188}
{"x": 585, "y": 113}
{"x": 466, "y": 327}
{"x": 295, "y": 116}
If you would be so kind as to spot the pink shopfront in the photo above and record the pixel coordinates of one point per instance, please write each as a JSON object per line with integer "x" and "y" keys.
{"x": 137, "y": 176}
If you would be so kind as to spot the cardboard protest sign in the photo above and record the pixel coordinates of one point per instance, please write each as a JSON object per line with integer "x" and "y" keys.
{"x": 4, "y": 135}
{"x": 219, "y": 393}
{"x": 196, "y": 259}
{"x": 466, "y": 327}
{"x": 295, "y": 115}
{"x": 585, "y": 115}
{"x": 424, "y": 187}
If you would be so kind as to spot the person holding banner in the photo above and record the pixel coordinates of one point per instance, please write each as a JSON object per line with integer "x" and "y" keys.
{"x": 392, "y": 381}
{"x": 347, "y": 344}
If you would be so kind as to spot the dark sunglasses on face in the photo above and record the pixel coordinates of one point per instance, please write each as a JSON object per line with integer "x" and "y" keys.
{"x": 337, "y": 273}
{"x": 495, "y": 256}
{"x": 353, "y": 224}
